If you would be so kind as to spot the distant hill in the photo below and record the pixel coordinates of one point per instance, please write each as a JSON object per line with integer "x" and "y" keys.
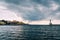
{"x": 14, "y": 22}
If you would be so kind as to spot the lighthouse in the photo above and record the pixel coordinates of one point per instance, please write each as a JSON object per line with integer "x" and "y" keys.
{"x": 50, "y": 22}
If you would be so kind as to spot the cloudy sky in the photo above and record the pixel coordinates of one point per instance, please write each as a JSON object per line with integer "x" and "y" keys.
{"x": 31, "y": 10}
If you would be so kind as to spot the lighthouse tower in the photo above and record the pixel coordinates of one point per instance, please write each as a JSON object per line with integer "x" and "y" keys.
{"x": 50, "y": 22}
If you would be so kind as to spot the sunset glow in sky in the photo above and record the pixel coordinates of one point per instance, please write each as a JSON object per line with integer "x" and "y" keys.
{"x": 6, "y": 14}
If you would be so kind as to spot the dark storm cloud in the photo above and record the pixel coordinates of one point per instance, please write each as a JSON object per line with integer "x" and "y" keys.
{"x": 43, "y": 2}
{"x": 57, "y": 1}
{"x": 14, "y": 1}
{"x": 24, "y": 10}
{"x": 34, "y": 9}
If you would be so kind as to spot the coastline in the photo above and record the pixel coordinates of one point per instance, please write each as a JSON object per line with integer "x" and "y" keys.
{"x": 34, "y": 25}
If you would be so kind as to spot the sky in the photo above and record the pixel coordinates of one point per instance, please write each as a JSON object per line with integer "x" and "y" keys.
{"x": 30, "y": 10}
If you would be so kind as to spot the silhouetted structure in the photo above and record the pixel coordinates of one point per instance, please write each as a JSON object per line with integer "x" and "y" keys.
{"x": 50, "y": 22}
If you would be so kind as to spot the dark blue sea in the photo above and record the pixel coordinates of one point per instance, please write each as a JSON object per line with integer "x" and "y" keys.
{"x": 29, "y": 32}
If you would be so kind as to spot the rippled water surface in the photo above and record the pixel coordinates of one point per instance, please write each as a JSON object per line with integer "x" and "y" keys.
{"x": 29, "y": 32}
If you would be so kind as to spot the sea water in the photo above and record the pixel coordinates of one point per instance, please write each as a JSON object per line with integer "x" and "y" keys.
{"x": 29, "y": 32}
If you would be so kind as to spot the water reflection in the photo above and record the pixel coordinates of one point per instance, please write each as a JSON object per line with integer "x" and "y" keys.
{"x": 25, "y": 32}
